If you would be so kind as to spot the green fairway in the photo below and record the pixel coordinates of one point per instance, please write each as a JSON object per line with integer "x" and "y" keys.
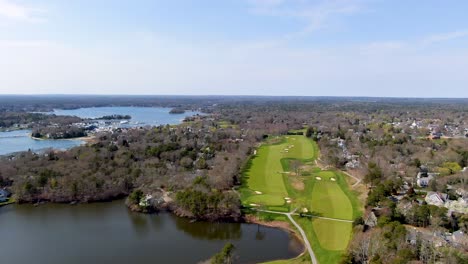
{"x": 325, "y": 237}
{"x": 332, "y": 235}
{"x": 328, "y": 199}
{"x": 264, "y": 179}
{"x": 268, "y": 181}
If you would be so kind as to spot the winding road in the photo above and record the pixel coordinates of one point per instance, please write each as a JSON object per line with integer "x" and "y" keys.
{"x": 304, "y": 237}
{"x": 306, "y": 241}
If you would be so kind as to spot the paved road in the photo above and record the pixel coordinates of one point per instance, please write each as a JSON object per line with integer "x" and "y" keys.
{"x": 304, "y": 237}
{"x": 313, "y": 216}
{"x": 306, "y": 241}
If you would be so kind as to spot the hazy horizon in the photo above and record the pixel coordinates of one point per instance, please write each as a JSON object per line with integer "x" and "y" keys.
{"x": 359, "y": 48}
{"x": 233, "y": 96}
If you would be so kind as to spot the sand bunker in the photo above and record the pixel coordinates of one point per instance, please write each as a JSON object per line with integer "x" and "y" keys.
{"x": 252, "y": 204}
{"x": 257, "y": 192}
{"x": 318, "y": 178}
{"x": 333, "y": 179}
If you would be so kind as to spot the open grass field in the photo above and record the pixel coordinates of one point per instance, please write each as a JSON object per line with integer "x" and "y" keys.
{"x": 268, "y": 181}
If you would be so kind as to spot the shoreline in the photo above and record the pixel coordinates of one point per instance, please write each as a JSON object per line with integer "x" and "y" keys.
{"x": 86, "y": 139}
{"x": 247, "y": 219}
{"x": 285, "y": 226}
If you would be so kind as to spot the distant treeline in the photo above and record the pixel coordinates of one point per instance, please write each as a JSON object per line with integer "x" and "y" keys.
{"x": 113, "y": 117}
{"x": 177, "y": 111}
{"x": 62, "y": 132}
{"x": 208, "y": 103}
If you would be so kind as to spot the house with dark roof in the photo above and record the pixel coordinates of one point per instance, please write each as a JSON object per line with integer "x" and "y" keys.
{"x": 4, "y": 194}
{"x": 424, "y": 177}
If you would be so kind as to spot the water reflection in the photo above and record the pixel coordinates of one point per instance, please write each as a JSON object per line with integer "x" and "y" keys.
{"x": 109, "y": 233}
{"x": 211, "y": 231}
{"x": 139, "y": 224}
{"x": 259, "y": 235}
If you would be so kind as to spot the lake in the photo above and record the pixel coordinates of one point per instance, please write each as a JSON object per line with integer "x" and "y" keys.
{"x": 110, "y": 233}
{"x": 20, "y": 140}
{"x": 141, "y": 116}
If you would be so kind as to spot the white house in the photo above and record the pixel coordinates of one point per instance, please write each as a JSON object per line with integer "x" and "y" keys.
{"x": 423, "y": 178}
{"x": 460, "y": 237}
{"x": 436, "y": 198}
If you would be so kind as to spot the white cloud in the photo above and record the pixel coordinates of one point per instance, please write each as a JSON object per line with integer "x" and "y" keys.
{"x": 445, "y": 36}
{"x": 24, "y": 44}
{"x": 15, "y": 11}
{"x": 315, "y": 14}
{"x": 380, "y": 47}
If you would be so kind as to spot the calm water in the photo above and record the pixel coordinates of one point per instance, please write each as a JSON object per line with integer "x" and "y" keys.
{"x": 20, "y": 140}
{"x": 16, "y": 141}
{"x": 109, "y": 233}
{"x": 152, "y": 116}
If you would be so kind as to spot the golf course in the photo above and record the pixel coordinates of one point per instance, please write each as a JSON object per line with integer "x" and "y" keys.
{"x": 282, "y": 179}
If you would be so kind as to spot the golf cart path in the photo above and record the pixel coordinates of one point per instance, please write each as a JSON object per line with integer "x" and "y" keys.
{"x": 304, "y": 237}
{"x": 358, "y": 181}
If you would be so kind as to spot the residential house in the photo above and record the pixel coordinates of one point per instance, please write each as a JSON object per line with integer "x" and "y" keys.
{"x": 146, "y": 201}
{"x": 424, "y": 177}
{"x": 412, "y": 236}
{"x": 436, "y": 198}
{"x": 371, "y": 220}
{"x": 4, "y": 194}
{"x": 459, "y": 237}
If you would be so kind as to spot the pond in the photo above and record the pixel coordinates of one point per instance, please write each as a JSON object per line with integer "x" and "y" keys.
{"x": 110, "y": 233}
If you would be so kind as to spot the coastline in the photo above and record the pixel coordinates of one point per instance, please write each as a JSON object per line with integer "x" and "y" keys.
{"x": 87, "y": 139}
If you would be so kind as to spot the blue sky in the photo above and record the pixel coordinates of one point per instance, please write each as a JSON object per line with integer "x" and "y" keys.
{"x": 393, "y": 48}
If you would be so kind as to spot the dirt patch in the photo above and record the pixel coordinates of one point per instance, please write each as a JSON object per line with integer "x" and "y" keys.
{"x": 277, "y": 224}
{"x": 297, "y": 184}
